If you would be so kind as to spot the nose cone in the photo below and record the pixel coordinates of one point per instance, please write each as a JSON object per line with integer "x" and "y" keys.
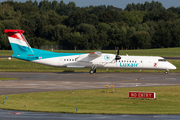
{"x": 174, "y": 67}
{"x": 171, "y": 66}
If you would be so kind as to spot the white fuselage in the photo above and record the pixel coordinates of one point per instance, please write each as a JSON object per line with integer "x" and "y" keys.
{"x": 107, "y": 61}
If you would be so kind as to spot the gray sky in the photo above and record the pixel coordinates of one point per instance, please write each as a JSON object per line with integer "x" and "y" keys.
{"x": 116, "y": 3}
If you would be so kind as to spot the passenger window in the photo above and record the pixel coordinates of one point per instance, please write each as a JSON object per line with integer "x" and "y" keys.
{"x": 69, "y": 59}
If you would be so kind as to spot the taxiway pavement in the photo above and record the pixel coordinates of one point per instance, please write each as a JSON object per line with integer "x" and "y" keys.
{"x": 42, "y": 82}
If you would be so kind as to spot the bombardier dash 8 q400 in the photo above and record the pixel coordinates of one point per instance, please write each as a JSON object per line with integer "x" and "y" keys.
{"x": 93, "y": 60}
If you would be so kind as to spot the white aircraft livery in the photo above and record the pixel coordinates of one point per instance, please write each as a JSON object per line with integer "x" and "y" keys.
{"x": 93, "y": 60}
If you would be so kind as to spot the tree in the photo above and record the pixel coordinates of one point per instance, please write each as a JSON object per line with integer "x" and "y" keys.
{"x": 11, "y": 24}
{"x": 110, "y": 16}
{"x": 37, "y": 42}
{"x": 127, "y": 41}
{"x": 174, "y": 10}
{"x": 153, "y": 6}
{"x": 4, "y": 42}
{"x": 132, "y": 18}
{"x": 47, "y": 33}
{"x": 78, "y": 17}
{"x": 162, "y": 38}
{"x": 151, "y": 16}
{"x": 29, "y": 26}
{"x": 54, "y": 19}
{"x": 76, "y": 41}
{"x": 103, "y": 28}
{"x": 167, "y": 16}
{"x": 141, "y": 39}
{"x": 86, "y": 29}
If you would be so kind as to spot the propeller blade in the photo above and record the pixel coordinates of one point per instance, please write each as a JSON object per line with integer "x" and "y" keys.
{"x": 117, "y": 56}
{"x": 118, "y": 51}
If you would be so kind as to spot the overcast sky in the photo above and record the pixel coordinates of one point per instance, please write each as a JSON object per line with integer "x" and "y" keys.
{"x": 116, "y": 3}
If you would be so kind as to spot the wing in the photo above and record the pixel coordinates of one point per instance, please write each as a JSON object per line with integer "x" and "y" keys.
{"x": 89, "y": 57}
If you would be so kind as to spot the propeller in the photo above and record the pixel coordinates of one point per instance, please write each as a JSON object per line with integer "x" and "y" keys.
{"x": 117, "y": 56}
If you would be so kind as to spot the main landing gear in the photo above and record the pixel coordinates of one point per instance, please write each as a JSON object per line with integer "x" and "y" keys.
{"x": 93, "y": 70}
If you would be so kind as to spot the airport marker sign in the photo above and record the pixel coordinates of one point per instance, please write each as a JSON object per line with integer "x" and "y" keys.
{"x": 142, "y": 94}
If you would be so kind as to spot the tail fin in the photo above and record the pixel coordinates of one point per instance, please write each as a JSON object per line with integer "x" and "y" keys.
{"x": 18, "y": 42}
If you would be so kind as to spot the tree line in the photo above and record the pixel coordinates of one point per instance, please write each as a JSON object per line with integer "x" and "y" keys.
{"x": 138, "y": 26}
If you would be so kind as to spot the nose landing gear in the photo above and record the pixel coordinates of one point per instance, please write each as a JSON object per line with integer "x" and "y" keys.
{"x": 166, "y": 72}
{"x": 93, "y": 70}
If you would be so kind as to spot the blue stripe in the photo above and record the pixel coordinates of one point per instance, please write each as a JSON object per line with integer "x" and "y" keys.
{"x": 18, "y": 49}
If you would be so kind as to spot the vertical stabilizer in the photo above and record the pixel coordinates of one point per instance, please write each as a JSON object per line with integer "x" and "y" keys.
{"x": 18, "y": 42}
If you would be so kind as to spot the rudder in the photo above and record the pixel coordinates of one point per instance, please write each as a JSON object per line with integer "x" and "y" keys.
{"x": 18, "y": 42}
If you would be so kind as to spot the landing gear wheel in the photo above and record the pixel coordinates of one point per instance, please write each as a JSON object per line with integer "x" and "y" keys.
{"x": 166, "y": 72}
{"x": 91, "y": 72}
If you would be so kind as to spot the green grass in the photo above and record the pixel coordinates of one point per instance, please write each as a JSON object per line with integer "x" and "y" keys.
{"x": 15, "y": 65}
{"x": 165, "y": 52}
{"x": 97, "y": 101}
{"x": 6, "y": 52}
{"x": 5, "y": 78}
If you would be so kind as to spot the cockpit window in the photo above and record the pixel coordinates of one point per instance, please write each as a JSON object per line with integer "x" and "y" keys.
{"x": 161, "y": 60}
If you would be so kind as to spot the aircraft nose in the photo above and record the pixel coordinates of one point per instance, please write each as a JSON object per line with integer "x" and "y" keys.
{"x": 172, "y": 67}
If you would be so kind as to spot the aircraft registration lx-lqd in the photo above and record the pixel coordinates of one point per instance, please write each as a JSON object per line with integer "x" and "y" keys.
{"x": 93, "y": 60}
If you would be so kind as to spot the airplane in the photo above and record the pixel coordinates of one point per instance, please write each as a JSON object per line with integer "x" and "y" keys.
{"x": 22, "y": 50}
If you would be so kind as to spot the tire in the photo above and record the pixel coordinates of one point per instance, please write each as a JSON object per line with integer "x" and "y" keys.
{"x": 91, "y": 72}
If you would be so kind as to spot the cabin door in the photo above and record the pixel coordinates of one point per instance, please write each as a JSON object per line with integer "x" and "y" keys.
{"x": 61, "y": 61}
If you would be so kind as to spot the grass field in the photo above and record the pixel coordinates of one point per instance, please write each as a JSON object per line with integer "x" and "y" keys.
{"x": 4, "y": 78}
{"x": 16, "y": 65}
{"x": 165, "y": 52}
{"x": 97, "y": 101}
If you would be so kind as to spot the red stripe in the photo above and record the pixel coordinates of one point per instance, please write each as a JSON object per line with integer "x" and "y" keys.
{"x": 92, "y": 52}
{"x": 13, "y": 31}
{"x": 15, "y": 35}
